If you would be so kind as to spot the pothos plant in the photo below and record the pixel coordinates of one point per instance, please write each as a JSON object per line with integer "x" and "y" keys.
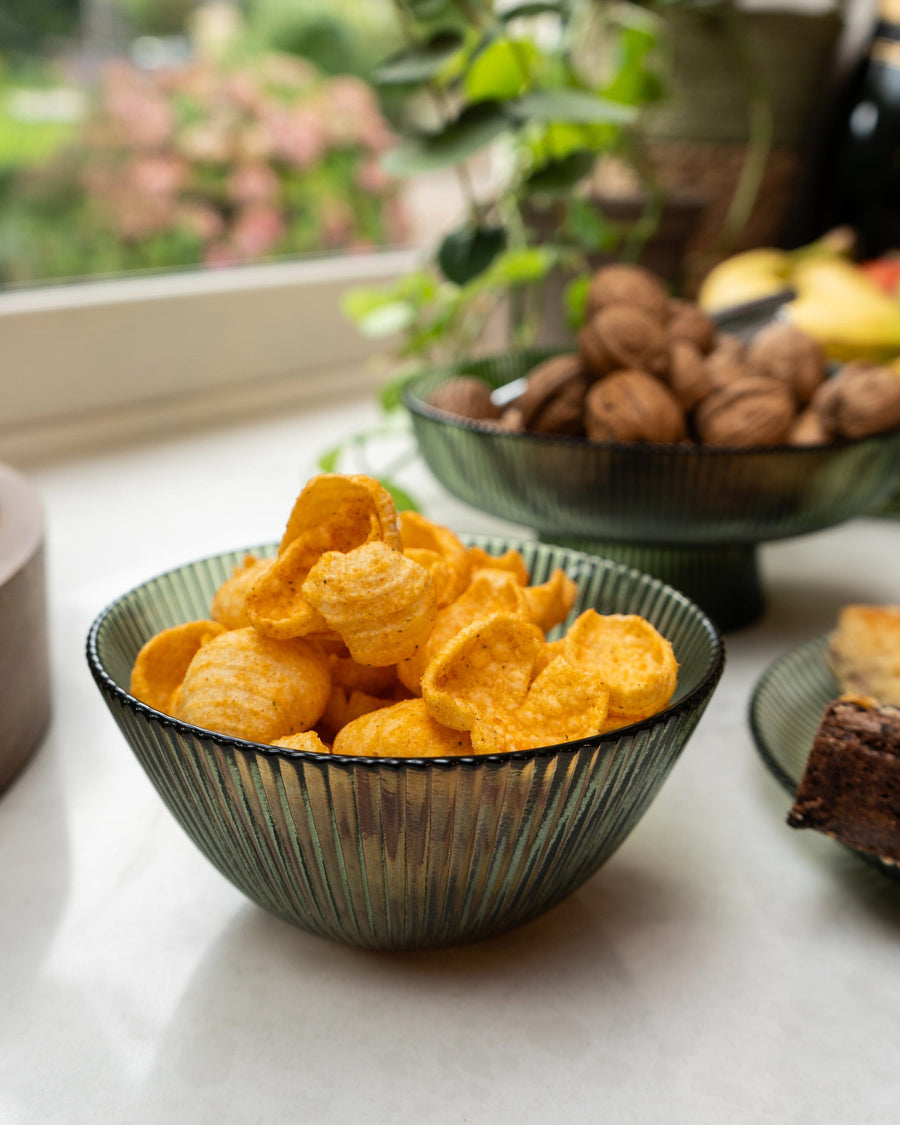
{"x": 549, "y": 86}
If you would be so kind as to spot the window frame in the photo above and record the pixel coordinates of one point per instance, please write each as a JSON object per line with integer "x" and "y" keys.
{"x": 98, "y": 360}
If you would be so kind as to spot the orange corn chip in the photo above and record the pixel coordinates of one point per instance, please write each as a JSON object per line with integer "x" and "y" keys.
{"x": 636, "y": 662}
{"x": 485, "y": 669}
{"x": 510, "y": 560}
{"x": 550, "y": 602}
{"x": 274, "y": 603}
{"x": 160, "y": 666}
{"x": 341, "y": 512}
{"x": 362, "y": 677}
{"x": 228, "y": 601}
{"x": 444, "y": 577}
{"x": 342, "y": 708}
{"x": 403, "y": 730}
{"x": 417, "y": 531}
{"x": 564, "y": 703}
{"x": 379, "y": 601}
{"x": 250, "y": 686}
{"x": 306, "y": 740}
{"x": 491, "y": 591}
{"x": 334, "y": 715}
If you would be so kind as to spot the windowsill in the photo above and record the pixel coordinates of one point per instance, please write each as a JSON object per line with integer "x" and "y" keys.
{"x": 102, "y": 361}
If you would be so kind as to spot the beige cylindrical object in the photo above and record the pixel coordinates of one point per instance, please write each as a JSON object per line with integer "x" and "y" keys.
{"x": 24, "y": 665}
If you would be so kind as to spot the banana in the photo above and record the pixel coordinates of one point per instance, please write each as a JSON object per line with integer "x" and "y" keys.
{"x": 840, "y": 307}
{"x": 745, "y": 277}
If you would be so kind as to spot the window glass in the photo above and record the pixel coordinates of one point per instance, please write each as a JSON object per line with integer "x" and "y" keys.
{"x": 143, "y": 135}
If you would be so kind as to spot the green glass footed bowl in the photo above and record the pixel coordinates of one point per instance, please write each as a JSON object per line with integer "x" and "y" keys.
{"x": 407, "y": 853}
{"x": 692, "y": 515}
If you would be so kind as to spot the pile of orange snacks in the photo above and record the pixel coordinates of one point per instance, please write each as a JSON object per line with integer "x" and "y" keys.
{"x": 381, "y": 635}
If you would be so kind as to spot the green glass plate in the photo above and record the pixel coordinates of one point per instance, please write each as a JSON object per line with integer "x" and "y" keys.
{"x": 785, "y": 710}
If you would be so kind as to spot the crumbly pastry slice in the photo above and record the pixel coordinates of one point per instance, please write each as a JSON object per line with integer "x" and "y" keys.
{"x": 850, "y": 789}
{"x": 864, "y": 651}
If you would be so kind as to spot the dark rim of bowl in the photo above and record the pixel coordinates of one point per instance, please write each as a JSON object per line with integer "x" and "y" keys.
{"x": 693, "y": 699}
{"x": 418, "y": 405}
{"x": 813, "y": 647}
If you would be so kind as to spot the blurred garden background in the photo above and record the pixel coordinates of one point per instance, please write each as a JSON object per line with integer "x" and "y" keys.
{"x": 151, "y": 134}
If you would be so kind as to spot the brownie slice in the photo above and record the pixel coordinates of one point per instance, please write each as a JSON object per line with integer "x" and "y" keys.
{"x": 851, "y": 786}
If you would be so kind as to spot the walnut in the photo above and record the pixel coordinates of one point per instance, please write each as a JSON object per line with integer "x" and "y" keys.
{"x": 687, "y": 374}
{"x": 619, "y": 337}
{"x": 861, "y": 399}
{"x": 753, "y": 410}
{"x": 511, "y": 420}
{"x": 632, "y": 286}
{"x": 808, "y": 429}
{"x": 553, "y": 399}
{"x": 783, "y": 352}
{"x": 633, "y": 406}
{"x": 689, "y": 322}
{"x": 725, "y": 363}
{"x": 467, "y": 396}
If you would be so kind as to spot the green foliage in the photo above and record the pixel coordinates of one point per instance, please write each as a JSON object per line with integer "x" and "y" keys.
{"x": 32, "y": 26}
{"x": 338, "y": 36}
{"x": 467, "y": 252}
{"x": 533, "y": 78}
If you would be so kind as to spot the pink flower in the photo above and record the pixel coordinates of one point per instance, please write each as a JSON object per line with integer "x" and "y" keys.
{"x": 253, "y": 183}
{"x": 200, "y": 220}
{"x": 297, "y": 136}
{"x": 138, "y": 217}
{"x": 256, "y": 230}
{"x": 372, "y": 178}
{"x": 159, "y": 174}
{"x": 287, "y": 72}
{"x": 208, "y": 142}
{"x": 337, "y": 222}
{"x": 351, "y": 96}
{"x": 219, "y": 256}
{"x": 137, "y": 112}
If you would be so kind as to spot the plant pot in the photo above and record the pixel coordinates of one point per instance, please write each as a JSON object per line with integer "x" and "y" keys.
{"x": 700, "y": 138}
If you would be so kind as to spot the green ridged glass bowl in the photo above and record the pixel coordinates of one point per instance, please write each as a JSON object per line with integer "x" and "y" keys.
{"x": 786, "y": 708}
{"x": 405, "y": 853}
{"x": 691, "y": 515}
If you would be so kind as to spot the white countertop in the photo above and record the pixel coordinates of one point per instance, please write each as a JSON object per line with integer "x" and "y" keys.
{"x": 720, "y": 968}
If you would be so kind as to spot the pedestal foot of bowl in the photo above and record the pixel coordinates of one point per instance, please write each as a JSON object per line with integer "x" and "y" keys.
{"x": 723, "y": 581}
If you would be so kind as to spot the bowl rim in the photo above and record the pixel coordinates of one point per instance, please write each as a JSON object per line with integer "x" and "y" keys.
{"x": 702, "y": 690}
{"x": 417, "y": 405}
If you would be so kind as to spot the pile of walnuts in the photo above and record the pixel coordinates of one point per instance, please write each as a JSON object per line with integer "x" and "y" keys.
{"x": 650, "y": 368}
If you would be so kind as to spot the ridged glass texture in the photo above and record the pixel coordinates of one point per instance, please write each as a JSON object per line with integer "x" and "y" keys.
{"x": 691, "y": 514}
{"x": 407, "y": 853}
{"x": 785, "y": 710}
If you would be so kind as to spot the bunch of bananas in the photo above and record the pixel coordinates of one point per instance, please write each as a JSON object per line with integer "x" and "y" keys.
{"x": 838, "y": 302}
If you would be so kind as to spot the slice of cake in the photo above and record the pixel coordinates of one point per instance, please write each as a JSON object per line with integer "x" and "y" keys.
{"x": 851, "y": 786}
{"x": 864, "y": 651}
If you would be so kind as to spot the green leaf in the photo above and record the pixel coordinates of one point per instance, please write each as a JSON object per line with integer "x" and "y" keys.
{"x": 475, "y": 127}
{"x": 575, "y": 106}
{"x": 588, "y": 226}
{"x": 403, "y": 502}
{"x": 427, "y": 9}
{"x": 561, "y": 175}
{"x": 328, "y": 461}
{"x": 523, "y": 266}
{"x": 531, "y": 8}
{"x": 467, "y": 252}
{"x": 417, "y": 64}
{"x": 503, "y": 70}
{"x": 391, "y": 394}
{"x": 575, "y": 301}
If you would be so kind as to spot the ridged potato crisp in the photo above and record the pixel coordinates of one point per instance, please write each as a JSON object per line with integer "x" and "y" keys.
{"x": 377, "y": 635}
